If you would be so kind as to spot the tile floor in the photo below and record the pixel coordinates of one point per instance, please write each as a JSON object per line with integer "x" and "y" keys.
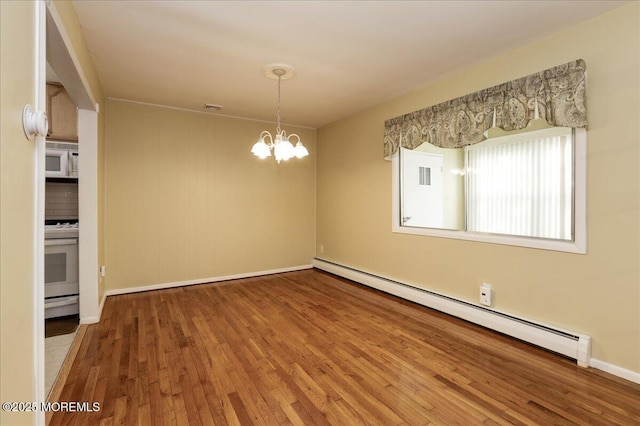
{"x": 56, "y": 349}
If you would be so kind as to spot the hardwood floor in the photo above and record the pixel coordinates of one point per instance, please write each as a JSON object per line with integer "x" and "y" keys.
{"x": 310, "y": 348}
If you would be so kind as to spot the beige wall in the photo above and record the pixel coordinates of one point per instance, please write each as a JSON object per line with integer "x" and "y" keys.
{"x": 69, "y": 17}
{"x": 17, "y": 209}
{"x": 598, "y": 293}
{"x": 186, "y": 200}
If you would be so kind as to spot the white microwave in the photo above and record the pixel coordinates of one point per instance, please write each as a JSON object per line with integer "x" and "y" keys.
{"x": 61, "y": 160}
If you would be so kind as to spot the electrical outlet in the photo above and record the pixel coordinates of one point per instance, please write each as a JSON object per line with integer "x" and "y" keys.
{"x": 485, "y": 294}
{"x": 103, "y": 271}
{"x": 321, "y": 249}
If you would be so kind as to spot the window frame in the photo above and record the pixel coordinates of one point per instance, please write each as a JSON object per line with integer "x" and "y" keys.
{"x": 578, "y": 245}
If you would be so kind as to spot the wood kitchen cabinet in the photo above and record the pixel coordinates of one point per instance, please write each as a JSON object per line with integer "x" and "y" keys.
{"x": 62, "y": 113}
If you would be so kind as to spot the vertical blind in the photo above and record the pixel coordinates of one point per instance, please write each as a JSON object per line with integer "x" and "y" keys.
{"x": 522, "y": 188}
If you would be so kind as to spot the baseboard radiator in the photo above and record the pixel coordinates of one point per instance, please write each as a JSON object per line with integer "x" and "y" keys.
{"x": 570, "y": 344}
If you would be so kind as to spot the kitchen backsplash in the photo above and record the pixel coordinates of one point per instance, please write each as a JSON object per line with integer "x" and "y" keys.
{"x": 61, "y": 200}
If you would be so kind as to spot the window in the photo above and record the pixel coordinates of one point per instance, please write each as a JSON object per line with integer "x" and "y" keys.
{"x": 424, "y": 176}
{"x": 525, "y": 189}
{"x": 522, "y": 186}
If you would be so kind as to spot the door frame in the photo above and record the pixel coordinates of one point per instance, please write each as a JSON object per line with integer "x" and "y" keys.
{"x": 40, "y": 73}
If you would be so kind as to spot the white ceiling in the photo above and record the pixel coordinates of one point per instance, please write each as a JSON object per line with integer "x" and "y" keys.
{"x": 349, "y": 55}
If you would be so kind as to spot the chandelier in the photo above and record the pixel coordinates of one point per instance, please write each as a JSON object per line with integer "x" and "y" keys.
{"x": 281, "y": 144}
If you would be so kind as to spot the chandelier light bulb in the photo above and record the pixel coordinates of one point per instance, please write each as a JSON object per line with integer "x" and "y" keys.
{"x": 300, "y": 150}
{"x": 261, "y": 149}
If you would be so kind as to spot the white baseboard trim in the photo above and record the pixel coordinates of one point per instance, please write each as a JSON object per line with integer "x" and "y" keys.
{"x": 161, "y": 286}
{"x": 568, "y": 343}
{"x": 632, "y": 376}
{"x": 96, "y": 319}
{"x": 90, "y": 320}
{"x": 104, "y": 299}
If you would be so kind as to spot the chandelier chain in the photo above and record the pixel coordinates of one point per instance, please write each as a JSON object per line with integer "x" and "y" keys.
{"x": 278, "y": 130}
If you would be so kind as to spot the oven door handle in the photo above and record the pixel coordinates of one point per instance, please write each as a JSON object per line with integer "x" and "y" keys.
{"x": 60, "y": 241}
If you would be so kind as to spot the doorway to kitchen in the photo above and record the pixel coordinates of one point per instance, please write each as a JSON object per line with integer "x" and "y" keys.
{"x": 64, "y": 63}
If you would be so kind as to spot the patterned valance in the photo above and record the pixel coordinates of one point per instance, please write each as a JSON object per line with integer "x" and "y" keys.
{"x": 559, "y": 92}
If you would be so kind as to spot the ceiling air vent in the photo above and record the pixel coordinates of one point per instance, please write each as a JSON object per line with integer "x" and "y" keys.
{"x": 210, "y": 107}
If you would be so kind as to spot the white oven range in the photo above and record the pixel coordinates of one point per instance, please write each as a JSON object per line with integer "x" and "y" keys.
{"x": 61, "y": 286}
